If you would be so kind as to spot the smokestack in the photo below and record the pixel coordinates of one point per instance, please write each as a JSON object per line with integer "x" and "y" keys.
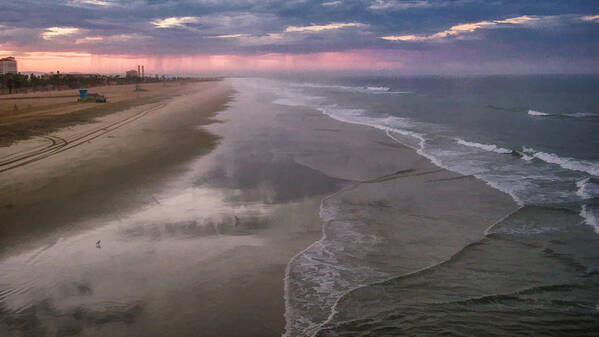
{"x": 142, "y": 72}
{"x": 138, "y": 71}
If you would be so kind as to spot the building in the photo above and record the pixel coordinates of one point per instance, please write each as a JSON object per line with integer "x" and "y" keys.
{"x": 131, "y": 74}
{"x": 8, "y": 65}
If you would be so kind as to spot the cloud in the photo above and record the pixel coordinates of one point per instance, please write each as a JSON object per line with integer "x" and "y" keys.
{"x": 254, "y": 40}
{"x": 175, "y": 22}
{"x": 89, "y": 39}
{"x": 101, "y": 3}
{"x": 398, "y": 5}
{"x": 318, "y": 28}
{"x": 590, "y": 18}
{"x": 464, "y": 28}
{"x": 54, "y": 32}
{"x": 112, "y": 39}
{"x": 537, "y": 31}
{"x": 229, "y": 36}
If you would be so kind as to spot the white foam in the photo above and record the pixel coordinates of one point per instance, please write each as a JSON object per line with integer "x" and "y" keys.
{"x": 320, "y": 279}
{"x": 590, "y": 217}
{"x": 565, "y": 162}
{"x": 537, "y": 113}
{"x": 582, "y": 115}
{"x": 485, "y": 147}
{"x": 378, "y": 88}
{"x": 365, "y": 90}
{"x": 297, "y": 100}
{"x": 315, "y": 279}
{"x": 397, "y": 126}
{"x": 527, "y": 157}
{"x": 581, "y": 192}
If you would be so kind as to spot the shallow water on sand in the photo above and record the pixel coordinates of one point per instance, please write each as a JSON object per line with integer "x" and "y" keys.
{"x": 209, "y": 248}
{"x": 533, "y": 273}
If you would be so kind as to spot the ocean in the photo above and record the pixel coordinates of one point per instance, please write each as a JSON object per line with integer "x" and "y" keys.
{"x": 535, "y": 272}
{"x": 420, "y": 206}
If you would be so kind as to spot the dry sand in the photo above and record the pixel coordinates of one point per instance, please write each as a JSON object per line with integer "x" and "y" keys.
{"x": 26, "y": 115}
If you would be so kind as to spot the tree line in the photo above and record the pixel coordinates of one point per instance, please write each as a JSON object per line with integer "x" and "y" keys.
{"x": 13, "y": 83}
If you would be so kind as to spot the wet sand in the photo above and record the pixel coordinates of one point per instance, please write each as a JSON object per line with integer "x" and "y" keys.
{"x": 102, "y": 172}
{"x": 197, "y": 242}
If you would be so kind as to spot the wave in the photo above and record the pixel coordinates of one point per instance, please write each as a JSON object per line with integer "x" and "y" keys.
{"x": 315, "y": 278}
{"x": 589, "y": 167}
{"x": 365, "y": 90}
{"x": 582, "y": 115}
{"x": 296, "y": 101}
{"x": 525, "y": 182}
{"x": 486, "y": 147}
{"x": 398, "y": 127}
{"x": 582, "y": 188}
{"x": 378, "y": 88}
{"x": 589, "y": 214}
{"x": 319, "y": 264}
{"x": 537, "y": 113}
{"x": 391, "y": 126}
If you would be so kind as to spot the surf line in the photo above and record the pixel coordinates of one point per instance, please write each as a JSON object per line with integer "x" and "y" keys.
{"x": 486, "y": 233}
{"x": 288, "y": 309}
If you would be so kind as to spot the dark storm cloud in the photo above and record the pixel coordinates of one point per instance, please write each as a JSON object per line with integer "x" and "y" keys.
{"x": 190, "y": 27}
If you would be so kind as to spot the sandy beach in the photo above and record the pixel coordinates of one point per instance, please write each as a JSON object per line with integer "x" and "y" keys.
{"x": 23, "y": 116}
{"x": 120, "y": 150}
{"x": 200, "y": 223}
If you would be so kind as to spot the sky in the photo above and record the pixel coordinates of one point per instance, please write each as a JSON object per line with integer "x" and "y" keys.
{"x": 240, "y": 37}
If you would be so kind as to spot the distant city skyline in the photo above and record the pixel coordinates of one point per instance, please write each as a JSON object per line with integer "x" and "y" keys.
{"x": 252, "y": 36}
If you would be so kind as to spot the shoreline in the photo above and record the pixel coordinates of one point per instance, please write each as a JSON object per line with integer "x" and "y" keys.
{"x": 215, "y": 232}
{"x": 487, "y": 206}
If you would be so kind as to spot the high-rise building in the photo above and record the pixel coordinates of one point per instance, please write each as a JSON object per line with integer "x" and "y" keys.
{"x": 8, "y": 65}
{"x": 142, "y": 72}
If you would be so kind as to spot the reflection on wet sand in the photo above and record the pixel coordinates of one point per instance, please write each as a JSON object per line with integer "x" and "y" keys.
{"x": 263, "y": 234}
{"x": 208, "y": 247}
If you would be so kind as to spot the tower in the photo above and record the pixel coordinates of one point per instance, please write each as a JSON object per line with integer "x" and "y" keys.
{"x": 138, "y": 71}
{"x": 142, "y": 72}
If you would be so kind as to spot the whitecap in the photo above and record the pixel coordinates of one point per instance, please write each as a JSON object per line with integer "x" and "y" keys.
{"x": 537, "y": 113}
{"x": 582, "y": 115}
{"x": 590, "y": 217}
{"x": 378, "y": 88}
{"x": 582, "y": 186}
{"x": 565, "y": 162}
{"x": 485, "y": 147}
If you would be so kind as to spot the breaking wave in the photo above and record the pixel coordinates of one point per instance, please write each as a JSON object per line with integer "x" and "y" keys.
{"x": 537, "y": 113}
{"x": 365, "y": 90}
{"x": 486, "y": 147}
{"x": 582, "y": 115}
{"x": 589, "y": 167}
{"x": 589, "y": 214}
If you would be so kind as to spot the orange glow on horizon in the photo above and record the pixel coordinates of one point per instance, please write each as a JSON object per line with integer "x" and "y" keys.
{"x": 171, "y": 64}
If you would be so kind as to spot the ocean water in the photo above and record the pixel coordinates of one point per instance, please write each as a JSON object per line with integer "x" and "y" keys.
{"x": 536, "y": 272}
